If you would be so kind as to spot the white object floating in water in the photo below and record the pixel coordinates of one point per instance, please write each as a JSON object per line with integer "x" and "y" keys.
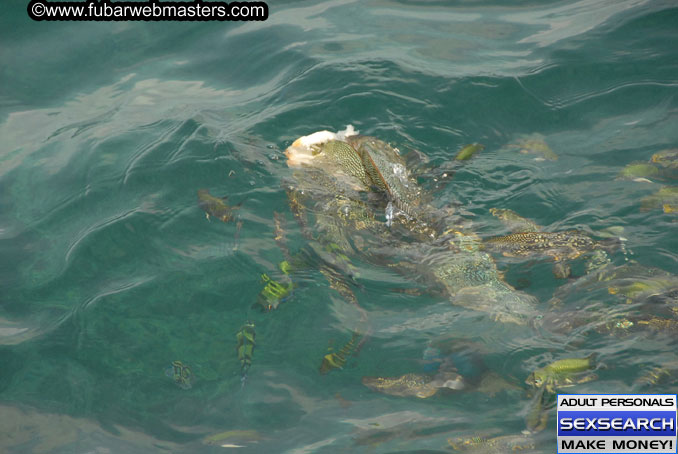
{"x": 321, "y": 137}
{"x": 317, "y": 138}
{"x": 348, "y": 132}
{"x": 301, "y": 150}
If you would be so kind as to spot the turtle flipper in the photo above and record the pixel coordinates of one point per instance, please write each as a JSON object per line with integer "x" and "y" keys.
{"x": 513, "y": 221}
{"x": 387, "y": 173}
{"x": 562, "y": 270}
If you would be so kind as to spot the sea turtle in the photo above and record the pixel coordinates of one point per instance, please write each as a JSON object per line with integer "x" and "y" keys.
{"x": 469, "y": 278}
{"x": 364, "y": 176}
{"x": 340, "y": 185}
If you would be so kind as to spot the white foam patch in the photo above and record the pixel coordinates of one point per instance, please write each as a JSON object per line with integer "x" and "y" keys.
{"x": 321, "y": 137}
{"x": 348, "y": 132}
{"x": 301, "y": 151}
{"x": 317, "y": 138}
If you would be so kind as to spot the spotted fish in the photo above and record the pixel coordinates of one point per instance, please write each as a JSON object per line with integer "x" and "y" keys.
{"x": 496, "y": 445}
{"x": 414, "y": 385}
{"x": 559, "y": 245}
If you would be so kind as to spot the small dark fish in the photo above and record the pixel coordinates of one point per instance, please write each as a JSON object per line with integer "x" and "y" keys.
{"x": 215, "y": 206}
{"x": 336, "y": 360}
{"x": 245, "y": 348}
{"x": 468, "y": 151}
{"x": 274, "y": 292}
{"x": 181, "y": 374}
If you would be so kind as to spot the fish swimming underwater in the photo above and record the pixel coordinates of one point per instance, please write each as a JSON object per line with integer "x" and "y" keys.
{"x": 245, "y": 348}
{"x": 563, "y": 373}
{"x": 336, "y": 360}
{"x": 215, "y": 206}
{"x": 415, "y": 385}
{"x": 181, "y": 374}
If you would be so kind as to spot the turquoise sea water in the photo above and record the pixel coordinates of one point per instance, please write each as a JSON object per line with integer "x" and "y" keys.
{"x": 109, "y": 270}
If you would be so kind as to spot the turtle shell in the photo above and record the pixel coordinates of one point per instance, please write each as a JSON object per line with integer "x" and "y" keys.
{"x": 387, "y": 172}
